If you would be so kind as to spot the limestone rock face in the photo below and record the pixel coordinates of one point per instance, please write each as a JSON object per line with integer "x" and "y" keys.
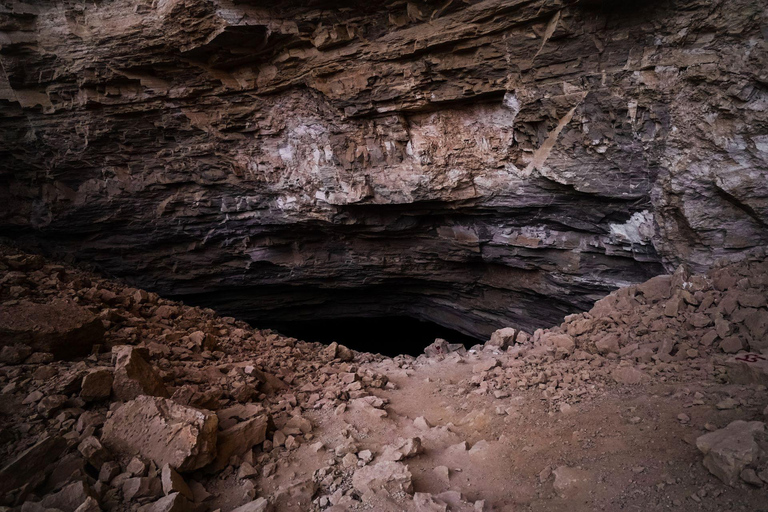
{"x": 477, "y": 164}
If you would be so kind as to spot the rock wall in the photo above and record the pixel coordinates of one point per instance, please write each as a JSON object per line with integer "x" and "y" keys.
{"x": 478, "y": 164}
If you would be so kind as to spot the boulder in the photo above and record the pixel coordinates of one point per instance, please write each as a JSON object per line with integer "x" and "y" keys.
{"x": 730, "y": 450}
{"x": 134, "y": 376}
{"x": 163, "y": 431}
{"x": 60, "y": 327}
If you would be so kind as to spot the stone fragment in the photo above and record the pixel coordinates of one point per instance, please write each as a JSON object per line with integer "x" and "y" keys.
{"x": 629, "y": 375}
{"x": 421, "y": 423}
{"x": 258, "y": 505}
{"x": 92, "y": 451}
{"x": 608, "y": 344}
{"x": 485, "y": 365}
{"x": 136, "y": 467}
{"x": 731, "y": 345}
{"x": 502, "y": 338}
{"x": 173, "y": 482}
{"x": 70, "y": 497}
{"x": 442, "y": 347}
{"x": 59, "y": 326}
{"x": 89, "y": 505}
{"x": 142, "y": 487}
{"x": 239, "y": 439}
{"x": 96, "y": 385}
{"x": 731, "y": 449}
{"x": 246, "y": 470}
{"x": 134, "y": 376}
{"x": 337, "y": 351}
{"x": 109, "y": 470}
{"x": 163, "y": 431}
{"x": 51, "y": 404}
{"x": 14, "y": 354}
{"x": 174, "y": 502}
{"x": 656, "y": 288}
{"x": 563, "y": 343}
{"x": 571, "y": 481}
{"x": 388, "y": 476}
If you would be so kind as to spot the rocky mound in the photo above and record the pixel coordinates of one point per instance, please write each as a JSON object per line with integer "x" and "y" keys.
{"x": 175, "y": 408}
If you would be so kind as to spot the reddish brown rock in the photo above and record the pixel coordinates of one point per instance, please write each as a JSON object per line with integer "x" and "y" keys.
{"x": 239, "y": 439}
{"x": 163, "y": 431}
{"x": 60, "y": 327}
{"x": 96, "y": 385}
{"x": 134, "y": 376}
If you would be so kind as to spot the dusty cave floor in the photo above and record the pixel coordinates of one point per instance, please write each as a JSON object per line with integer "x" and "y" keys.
{"x": 604, "y": 418}
{"x": 627, "y": 445}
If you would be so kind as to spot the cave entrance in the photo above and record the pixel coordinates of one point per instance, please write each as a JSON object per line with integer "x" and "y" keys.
{"x": 390, "y": 335}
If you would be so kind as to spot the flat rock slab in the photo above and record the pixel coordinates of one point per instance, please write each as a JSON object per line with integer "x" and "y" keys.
{"x": 163, "y": 431}
{"x": 31, "y": 466}
{"x": 60, "y": 327}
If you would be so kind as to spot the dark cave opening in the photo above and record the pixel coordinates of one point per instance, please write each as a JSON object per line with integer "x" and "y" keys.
{"x": 390, "y": 335}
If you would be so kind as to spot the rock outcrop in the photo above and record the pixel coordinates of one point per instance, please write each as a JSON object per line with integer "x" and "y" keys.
{"x": 477, "y": 164}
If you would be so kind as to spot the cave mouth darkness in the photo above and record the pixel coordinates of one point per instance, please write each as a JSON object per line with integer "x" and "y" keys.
{"x": 387, "y": 335}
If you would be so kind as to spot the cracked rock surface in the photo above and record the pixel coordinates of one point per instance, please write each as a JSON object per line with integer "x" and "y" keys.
{"x": 478, "y": 164}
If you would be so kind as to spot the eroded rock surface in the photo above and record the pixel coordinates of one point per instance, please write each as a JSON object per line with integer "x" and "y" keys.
{"x": 479, "y": 164}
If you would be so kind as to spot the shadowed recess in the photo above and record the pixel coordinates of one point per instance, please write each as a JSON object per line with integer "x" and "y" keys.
{"x": 391, "y": 336}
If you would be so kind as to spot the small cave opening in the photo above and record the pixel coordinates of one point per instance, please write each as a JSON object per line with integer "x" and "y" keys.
{"x": 389, "y": 335}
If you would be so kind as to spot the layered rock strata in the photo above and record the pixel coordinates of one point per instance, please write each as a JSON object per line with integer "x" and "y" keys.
{"x": 475, "y": 164}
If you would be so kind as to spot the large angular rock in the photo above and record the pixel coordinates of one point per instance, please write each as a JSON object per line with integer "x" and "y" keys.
{"x": 134, "y": 376}
{"x": 60, "y": 327}
{"x": 239, "y": 439}
{"x": 163, "y": 431}
{"x": 731, "y": 449}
